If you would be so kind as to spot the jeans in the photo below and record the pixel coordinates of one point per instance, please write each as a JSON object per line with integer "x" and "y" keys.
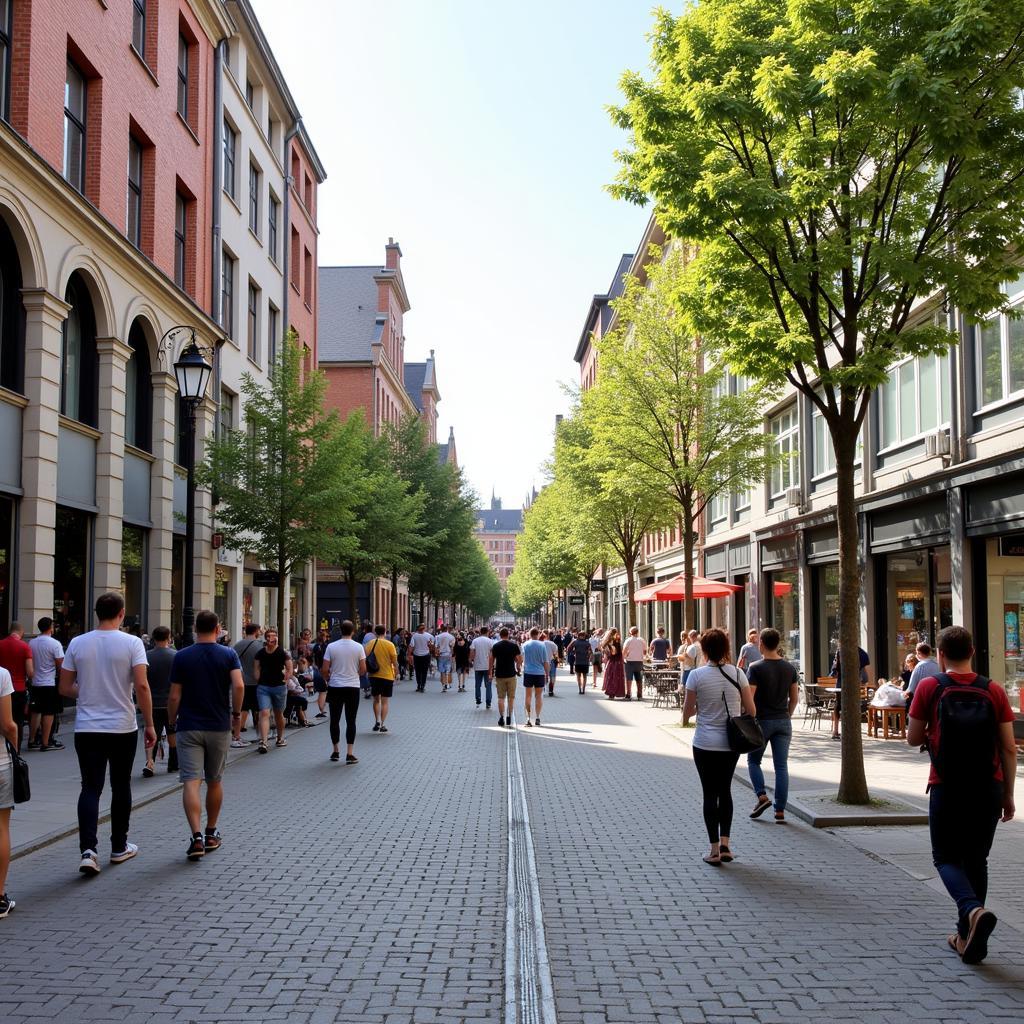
{"x": 483, "y": 676}
{"x": 962, "y": 826}
{"x": 421, "y": 662}
{"x": 343, "y": 698}
{"x": 97, "y": 750}
{"x": 716, "y": 768}
{"x": 779, "y": 733}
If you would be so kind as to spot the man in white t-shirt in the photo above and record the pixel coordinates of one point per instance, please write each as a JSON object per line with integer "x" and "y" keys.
{"x": 420, "y": 649}
{"x": 47, "y": 658}
{"x": 344, "y": 663}
{"x": 8, "y": 731}
{"x": 633, "y": 652}
{"x": 443, "y": 644}
{"x": 480, "y": 652}
{"x": 100, "y": 670}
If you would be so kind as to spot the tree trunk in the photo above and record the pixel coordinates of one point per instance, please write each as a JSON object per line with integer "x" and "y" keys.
{"x": 282, "y": 580}
{"x": 853, "y": 786}
{"x": 630, "y": 566}
{"x": 586, "y": 606}
{"x": 353, "y": 608}
{"x": 689, "y": 616}
{"x": 393, "y": 623}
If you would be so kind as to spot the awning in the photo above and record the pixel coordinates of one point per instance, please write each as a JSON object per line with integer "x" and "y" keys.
{"x": 675, "y": 589}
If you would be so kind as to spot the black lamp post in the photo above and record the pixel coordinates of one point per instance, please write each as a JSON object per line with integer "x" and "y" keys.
{"x": 192, "y": 372}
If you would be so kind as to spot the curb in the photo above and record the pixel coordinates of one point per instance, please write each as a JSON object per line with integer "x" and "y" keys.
{"x": 833, "y": 819}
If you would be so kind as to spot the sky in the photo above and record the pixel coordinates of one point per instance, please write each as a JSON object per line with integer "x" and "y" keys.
{"x": 477, "y": 136}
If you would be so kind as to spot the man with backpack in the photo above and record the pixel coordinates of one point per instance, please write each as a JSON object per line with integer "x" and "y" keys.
{"x": 966, "y": 723}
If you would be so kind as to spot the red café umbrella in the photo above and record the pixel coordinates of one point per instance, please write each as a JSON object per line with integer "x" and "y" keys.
{"x": 675, "y": 589}
{"x": 782, "y": 589}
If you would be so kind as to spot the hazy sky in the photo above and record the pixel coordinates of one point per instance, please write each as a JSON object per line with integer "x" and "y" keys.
{"x": 476, "y": 135}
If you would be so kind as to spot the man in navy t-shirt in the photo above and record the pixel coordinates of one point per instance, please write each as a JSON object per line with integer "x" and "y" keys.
{"x": 206, "y": 683}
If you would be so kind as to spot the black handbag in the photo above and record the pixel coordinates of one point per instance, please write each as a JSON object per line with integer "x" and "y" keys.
{"x": 19, "y": 769}
{"x": 372, "y": 665}
{"x": 743, "y": 731}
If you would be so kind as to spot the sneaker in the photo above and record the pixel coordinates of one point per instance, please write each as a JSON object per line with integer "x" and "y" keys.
{"x": 479, "y": 702}
{"x": 196, "y": 847}
{"x": 129, "y": 851}
{"x": 34, "y": 745}
{"x": 335, "y": 756}
{"x": 90, "y": 864}
{"x": 501, "y": 722}
{"x": 508, "y": 723}
{"x": 212, "y": 840}
{"x": 239, "y": 742}
{"x": 529, "y": 724}
{"x": 488, "y": 707}
{"x": 376, "y": 726}
{"x": 6, "y": 905}
{"x": 147, "y": 772}
{"x": 536, "y": 721}
{"x": 383, "y": 728}
{"x": 54, "y": 744}
{"x": 351, "y": 759}
{"x": 320, "y": 714}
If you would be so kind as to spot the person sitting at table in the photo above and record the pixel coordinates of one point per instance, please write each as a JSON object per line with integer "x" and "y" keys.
{"x": 889, "y": 695}
{"x": 909, "y": 664}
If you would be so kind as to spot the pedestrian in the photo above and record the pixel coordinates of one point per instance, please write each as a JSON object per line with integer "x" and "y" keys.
{"x": 273, "y": 669}
{"x": 398, "y": 639}
{"x": 837, "y": 673}
{"x": 775, "y": 687}
{"x": 966, "y": 722}
{"x": 160, "y": 659}
{"x": 596, "y": 654}
{"x": 581, "y": 654}
{"x": 505, "y": 663}
{"x": 535, "y": 674}
{"x": 420, "y": 647}
{"x": 8, "y": 734}
{"x": 660, "y": 648}
{"x": 380, "y": 652}
{"x": 247, "y": 648}
{"x": 304, "y": 645}
{"x": 344, "y": 663}
{"x": 615, "y": 672}
{"x": 323, "y": 638}
{"x": 715, "y": 693}
{"x": 689, "y": 653}
{"x": 926, "y": 667}
{"x": 634, "y": 650}
{"x": 206, "y": 683}
{"x": 443, "y": 645}
{"x": 554, "y": 654}
{"x": 47, "y": 658}
{"x": 460, "y": 653}
{"x": 480, "y": 651}
{"x": 750, "y": 652}
{"x": 16, "y": 657}
{"x": 100, "y": 670}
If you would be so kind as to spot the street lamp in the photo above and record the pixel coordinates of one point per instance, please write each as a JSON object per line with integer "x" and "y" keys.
{"x": 192, "y": 372}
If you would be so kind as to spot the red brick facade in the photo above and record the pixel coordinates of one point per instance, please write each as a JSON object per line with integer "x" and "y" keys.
{"x": 302, "y": 303}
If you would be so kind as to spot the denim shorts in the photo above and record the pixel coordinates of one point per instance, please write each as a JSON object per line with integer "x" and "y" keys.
{"x": 444, "y": 664}
{"x": 271, "y": 697}
{"x": 6, "y": 786}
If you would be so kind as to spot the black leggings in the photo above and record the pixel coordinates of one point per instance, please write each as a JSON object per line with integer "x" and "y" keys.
{"x": 716, "y": 768}
{"x": 97, "y": 750}
{"x": 421, "y": 662}
{"x": 343, "y": 698}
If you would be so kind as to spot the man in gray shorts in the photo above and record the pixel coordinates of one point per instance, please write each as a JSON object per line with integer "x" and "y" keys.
{"x": 206, "y": 683}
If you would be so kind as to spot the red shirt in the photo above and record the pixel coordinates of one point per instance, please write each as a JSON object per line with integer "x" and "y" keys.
{"x": 13, "y": 655}
{"x": 925, "y": 708}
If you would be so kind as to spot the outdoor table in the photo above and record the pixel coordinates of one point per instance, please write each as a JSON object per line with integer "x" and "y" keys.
{"x": 886, "y": 711}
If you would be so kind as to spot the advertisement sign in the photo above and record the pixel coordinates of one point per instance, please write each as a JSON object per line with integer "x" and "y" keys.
{"x": 1011, "y": 630}
{"x": 599, "y": 586}
{"x": 575, "y": 599}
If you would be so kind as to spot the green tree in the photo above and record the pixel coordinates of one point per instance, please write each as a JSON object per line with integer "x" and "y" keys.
{"x": 284, "y": 482}
{"x": 662, "y": 401}
{"x": 836, "y": 164}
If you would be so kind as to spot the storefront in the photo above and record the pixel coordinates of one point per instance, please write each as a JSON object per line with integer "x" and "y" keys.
{"x": 821, "y": 547}
{"x": 71, "y": 572}
{"x": 6, "y": 561}
{"x": 296, "y": 609}
{"x": 222, "y": 575}
{"x": 730, "y": 564}
{"x": 133, "y": 576}
{"x": 781, "y": 590}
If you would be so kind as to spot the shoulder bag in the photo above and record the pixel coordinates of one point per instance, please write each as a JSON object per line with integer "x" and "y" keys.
{"x": 372, "y": 665}
{"x": 743, "y": 732}
{"x": 19, "y": 769}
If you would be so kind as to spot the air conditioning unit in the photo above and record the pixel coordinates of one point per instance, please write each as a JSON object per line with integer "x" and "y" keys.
{"x": 794, "y": 499}
{"x": 936, "y": 444}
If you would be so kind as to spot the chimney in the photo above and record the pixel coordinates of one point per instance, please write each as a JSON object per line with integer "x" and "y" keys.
{"x": 392, "y": 255}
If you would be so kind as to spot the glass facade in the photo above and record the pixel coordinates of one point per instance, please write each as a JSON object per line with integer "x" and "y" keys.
{"x": 222, "y": 596}
{"x": 1005, "y": 599}
{"x": 919, "y": 602}
{"x": 826, "y": 601}
{"x": 784, "y": 589}
{"x": 133, "y": 575}
{"x": 72, "y": 541}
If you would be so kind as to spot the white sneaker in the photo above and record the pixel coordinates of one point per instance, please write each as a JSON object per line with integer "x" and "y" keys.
{"x": 90, "y": 863}
{"x": 129, "y": 851}
{"x": 239, "y": 743}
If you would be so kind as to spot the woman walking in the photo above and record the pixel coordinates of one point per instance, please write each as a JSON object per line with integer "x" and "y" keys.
{"x": 716, "y": 692}
{"x": 461, "y": 651}
{"x": 614, "y": 668}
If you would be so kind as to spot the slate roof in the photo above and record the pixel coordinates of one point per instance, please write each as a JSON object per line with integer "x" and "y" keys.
{"x": 500, "y": 520}
{"x": 415, "y": 374}
{"x": 600, "y": 306}
{"x": 442, "y": 454}
{"x": 347, "y": 313}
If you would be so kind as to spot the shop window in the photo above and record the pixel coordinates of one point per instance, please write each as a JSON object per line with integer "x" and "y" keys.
{"x": 177, "y": 584}
{"x": 914, "y": 400}
{"x": 222, "y": 595}
{"x": 6, "y": 22}
{"x": 1000, "y": 351}
{"x": 785, "y": 432}
{"x": 74, "y": 127}
{"x": 826, "y": 581}
{"x": 133, "y": 564}
{"x": 78, "y": 376}
{"x": 785, "y": 610}
{"x": 71, "y": 612}
{"x": 12, "y": 315}
{"x": 138, "y": 399}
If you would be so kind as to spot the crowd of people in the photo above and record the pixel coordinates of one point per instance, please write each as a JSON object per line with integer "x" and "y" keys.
{"x": 202, "y": 698}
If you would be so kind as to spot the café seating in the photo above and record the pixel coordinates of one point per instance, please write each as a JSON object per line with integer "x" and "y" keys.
{"x": 816, "y": 704}
{"x": 885, "y": 715}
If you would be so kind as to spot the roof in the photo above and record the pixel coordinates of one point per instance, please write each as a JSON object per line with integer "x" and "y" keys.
{"x": 600, "y": 305}
{"x": 500, "y": 520}
{"x": 442, "y": 454}
{"x": 415, "y": 374}
{"x": 347, "y": 313}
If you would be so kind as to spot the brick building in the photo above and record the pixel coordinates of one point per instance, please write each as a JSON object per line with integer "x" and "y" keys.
{"x": 498, "y": 531}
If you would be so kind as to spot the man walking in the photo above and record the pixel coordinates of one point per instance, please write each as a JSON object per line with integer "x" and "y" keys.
{"x": 967, "y": 724}
{"x": 505, "y": 662}
{"x": 535, "y": 673}
{"x": 422, "y": 645}
{"x": 47, "y": 658}
{"x": 206, "y": 683}
{"x": 581, "y": 653}
{"x": 344, "y": 663}
{"x": 273, "y": 669}
{"x": 443, "y": 643}
{"x": 100, "y": 670}
{"x": 633, "y": 653}
{"x": 750, "y": 652}
{"x": 16, "y": 657}
{"x": 554, "y": 653}
{"x": 381, "y": 666}
{"x": 160, "y": 658}
{"x": 247, "y": 648}
{"x": 480, "y": 653}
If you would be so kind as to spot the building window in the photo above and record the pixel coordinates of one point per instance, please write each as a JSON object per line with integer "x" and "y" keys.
{"x": 12, "y": 320}
{"x": 823, "y": 452}
{"x": 254, "y": 199}
{"x": 718, "y": 509}
{"x": 273, "y": 320}
{"x": 307, "y": 192}
{"x": 138, "y": 404}
{"x": 183, "y": 76}
{"x": 139, "y": 27}
{"x": 74, "y": 127}
{"x": 295, "y": 270}
{"x": 1000, "y": 351}
{"x": 6, "y": 10}
{"x": 785, "y": 431}
{"x": 230, "y": 150}
{"x": 914, "y": 400}
{"x": 273, "y": 213}
{"x": 134, "y": 222}
{"x": 227, "y": 295}
{"x": 250, "y": 94}
{"x": 307, "y": 291}
{"x": 226, "y": 414}
{"x": 78, "y": 364}
{"x": 252, "y": 324}
{"x": 180, "y": 238}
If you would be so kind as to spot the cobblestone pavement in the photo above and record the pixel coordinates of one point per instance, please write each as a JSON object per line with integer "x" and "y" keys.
{"x": 375, "y": 895}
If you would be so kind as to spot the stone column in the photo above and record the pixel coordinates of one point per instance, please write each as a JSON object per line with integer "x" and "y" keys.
{"x": 161, "y": 502}
{"x": 44, "y": 319}
{"x": 113, "y": 357}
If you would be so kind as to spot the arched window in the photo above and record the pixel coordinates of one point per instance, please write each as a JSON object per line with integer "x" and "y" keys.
{"x": 79, "y": 379}
{"x": 138, "y": 392}
{"x": 12, "y": 315}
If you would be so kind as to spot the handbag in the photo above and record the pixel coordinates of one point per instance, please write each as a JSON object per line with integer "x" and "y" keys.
{"x": 743, "y": 731}
{"x": 19, "y": 769}
{"x": 372, "y": 665}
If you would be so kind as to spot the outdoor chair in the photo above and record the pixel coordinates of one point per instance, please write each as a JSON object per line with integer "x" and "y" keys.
{"x": 816, "y": 704}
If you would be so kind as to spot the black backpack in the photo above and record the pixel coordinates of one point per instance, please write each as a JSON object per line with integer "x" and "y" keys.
{"x": 968, "y": 732}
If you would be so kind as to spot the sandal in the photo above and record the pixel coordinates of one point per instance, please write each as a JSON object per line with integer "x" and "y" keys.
{"x": 763, "y": 803}
{"x": 975, "y": 947}
{"x": 262, "y": 748}
{"x": 726, "y": 854}
{"x": 281, "y": 743}
{"x": 712, "y": 858}
{"x": 955, "y": 943}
